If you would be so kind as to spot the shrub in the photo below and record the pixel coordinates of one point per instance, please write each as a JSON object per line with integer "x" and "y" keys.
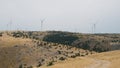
{"x": 61, "y": 38}
{"x": 30, "y": 67}
{"x": 20, "y": 66}
{"x": 62, "y": 58}
{"x": 0, "y": 34}
{"x": 50, "y": 63}
{"x": 92, "y": 44}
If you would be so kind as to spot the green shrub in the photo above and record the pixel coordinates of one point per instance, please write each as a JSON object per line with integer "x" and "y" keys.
{"x": 62, "y": 58}
{"x": 61, "y": 38}
{"x": 50, "y": 63}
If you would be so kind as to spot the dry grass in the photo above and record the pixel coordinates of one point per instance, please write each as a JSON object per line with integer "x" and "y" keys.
{"x": 112, "y": 56}
{"x": 82, "y": 62}
{"x": 79, "y": 62}
{"x": 17, "y": 51}
{"x": 7, "y": 41}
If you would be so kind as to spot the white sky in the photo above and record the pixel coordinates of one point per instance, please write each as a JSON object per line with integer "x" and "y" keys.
{"x": 65, "y": 15}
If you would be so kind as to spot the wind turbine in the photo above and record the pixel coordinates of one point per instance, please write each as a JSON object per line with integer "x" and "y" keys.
{"x": 18, "y": 25}
{"x": 42, "y": 21}
{"x": 94, "y": 27}
{"x": 94, "y": 24}
{"x": 9, "y": 25}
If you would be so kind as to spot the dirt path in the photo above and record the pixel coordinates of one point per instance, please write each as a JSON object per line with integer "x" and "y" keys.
{"x": 99, "y": 64}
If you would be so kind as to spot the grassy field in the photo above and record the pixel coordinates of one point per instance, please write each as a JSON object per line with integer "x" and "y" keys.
{"x": 101, "y": 60}
{"x": 113, "y": 57}
{"x": 79, "y": 62}
{"x": 8, "y": 41}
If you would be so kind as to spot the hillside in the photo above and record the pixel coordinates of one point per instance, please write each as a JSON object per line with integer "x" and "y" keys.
{"x": 25, "y": 52}
{"x": 101, "y": 60}
{"x": 92, "y": 42}
{"x": 28, "y": 49}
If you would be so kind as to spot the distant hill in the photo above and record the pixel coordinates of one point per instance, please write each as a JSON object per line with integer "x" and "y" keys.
{"x": 93, "y": 42}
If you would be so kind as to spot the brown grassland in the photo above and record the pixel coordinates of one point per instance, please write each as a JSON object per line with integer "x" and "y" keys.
{"x": 100, "y": 60}
{"x": 56, "y": 49}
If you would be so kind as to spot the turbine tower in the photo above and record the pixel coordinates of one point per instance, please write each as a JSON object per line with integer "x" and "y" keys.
{"x": 42, "y": 21}
{"x": 9, "y": 25}
{"x": 94, "y": 27}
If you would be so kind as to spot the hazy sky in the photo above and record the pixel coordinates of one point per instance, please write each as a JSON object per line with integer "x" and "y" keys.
{"x": 66, "y": 15}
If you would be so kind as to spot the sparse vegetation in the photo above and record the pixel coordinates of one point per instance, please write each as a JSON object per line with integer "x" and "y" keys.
{"x": 38, "y": 47}
{"x": 62, "y": 58}
{"x": 0, "y": 34}
{"x": 93, "y": 45}
{"x": 50, "y": 63}
{"x": 20, "y": 66}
